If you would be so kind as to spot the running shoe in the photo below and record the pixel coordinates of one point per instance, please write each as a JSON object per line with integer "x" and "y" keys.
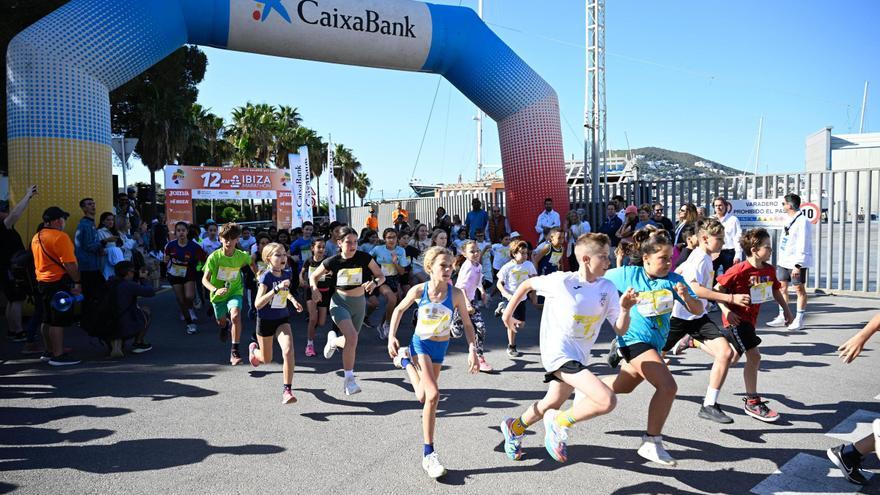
{"x": 875, "y": 428}
{"x": 45, "y": 357}
{"x": 224, "y": 332}
{"x": 116, "y": 349}
{"x": 851, "y": 472}
{"x": 512, "y": 443}
{"x": 684, "y": 344}
{"x": 32, "y": 348}
{"x": 63, "y": 360}
{"x": 193, "y": 315}
{"x": 653, "y": 450}
{"x": 384, "y": 330}
{"x": 197, "y": 303}
{"x": 485, "y": 367}
{"x": 350, "y": 386}
{"x": 797, "y": 323}
{"x": 330, "y": 347}
{"x": 141, "y": 347}
{"x": 191, "y": 329}
{"x": 287, "y": 396}
{"x": 500, "y": 309}
{"x": 555, "y": 437}
{"x": 779, "y": 321}
{"x": 613, "y": 358}
{"x": 310, "y": 350}
{"x": 714, "y": 413}
{"x": 757, "y": 408}
{"x": 234, "y": 358}
{"x": 512, "y": 352}
{"x": 18, "y": 337}
{"x": 431, "y": 465}
{"x": 251, "y": 356}
{"x": 402, "y": 353}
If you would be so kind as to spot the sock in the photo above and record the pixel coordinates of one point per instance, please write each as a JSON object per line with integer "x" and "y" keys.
{"x": 565, "y": 419}
{"x": 286, "y": 386}
{"x": 781, "y": 311}
{"x": 513, "y": 346}
{"x": 851, "y": 455}
{"x": 649, "y": 438}
{"x": 801, "y": 312}
{"x": 429, "y": 449}
{"x": 235, "y": 346}
{"x": 310, "y": 342}
{"x": 518, "y": 427}
{"x": 349, "y": 373}
{"x": 405, "y": 362}
{"x": 711, "y": 396}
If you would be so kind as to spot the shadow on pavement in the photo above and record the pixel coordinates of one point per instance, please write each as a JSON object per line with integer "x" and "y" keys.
{"x": 19, "y": 416}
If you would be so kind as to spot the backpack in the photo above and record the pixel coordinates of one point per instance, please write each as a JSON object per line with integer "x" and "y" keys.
{"x": 23, "y": 272}
{"x": 100, "y": 316}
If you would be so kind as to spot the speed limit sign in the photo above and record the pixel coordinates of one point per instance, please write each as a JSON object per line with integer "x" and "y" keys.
{"x": 811, "y": 212}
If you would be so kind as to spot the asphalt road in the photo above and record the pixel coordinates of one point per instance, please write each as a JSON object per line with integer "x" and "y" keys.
{"x": 180, "y": 419}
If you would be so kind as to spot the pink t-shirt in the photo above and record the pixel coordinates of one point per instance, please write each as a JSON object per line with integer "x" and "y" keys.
{"x": 469, "y": 278}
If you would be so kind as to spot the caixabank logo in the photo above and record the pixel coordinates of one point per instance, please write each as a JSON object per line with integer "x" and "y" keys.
{"x": 264, "y": 8}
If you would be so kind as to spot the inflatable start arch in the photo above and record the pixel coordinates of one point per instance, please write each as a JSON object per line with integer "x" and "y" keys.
{"x": 61, "y": 69}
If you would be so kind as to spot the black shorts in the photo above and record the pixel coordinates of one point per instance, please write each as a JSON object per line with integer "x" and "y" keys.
{"x": 785, "y": 275}
{"x": 268, "y": 328}
{"x": 181, "y": 280}
{"x": 702, "y": 329}
{"x": 393, "y": 282}
{"x": 52, "y": 317}
{"x": 570, "y": 368}
{"x": 325, "y": 297}
{"x": 520, "y": 311}
{"x": 742, "y": 337}
{"x": 631, "y": 352}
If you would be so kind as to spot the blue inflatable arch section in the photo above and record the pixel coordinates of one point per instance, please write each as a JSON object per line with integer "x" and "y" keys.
{"x": 60, "y": 71}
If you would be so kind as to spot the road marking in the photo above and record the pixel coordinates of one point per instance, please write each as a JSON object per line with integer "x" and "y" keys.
{"x": 806, "y": 474}
{"x": 855, "y": 427}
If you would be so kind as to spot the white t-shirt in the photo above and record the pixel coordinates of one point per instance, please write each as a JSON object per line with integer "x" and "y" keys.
{"x": 513, "y": 274}
{"x": 698, "y": 267}
{"x": 486, "y": 260}
{"x": 210, "y": 246}
{"x": 574, "y": 310}
{"x": 796, "y": 245}
{"x": 500, "y": 255}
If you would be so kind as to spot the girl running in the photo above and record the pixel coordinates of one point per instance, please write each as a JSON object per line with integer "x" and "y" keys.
{"x": 640, "y": 346}
{"x": 273, "y": 316}
{"x": 392, "y": 260}
{"x": 423, "y": 359}
{"x": 470, "y": 277}
{"x": 577, "y": 303}
{"x": 356, "y": 273}
{"x": 317, "y": 310}
{"x": 182, "y": 257}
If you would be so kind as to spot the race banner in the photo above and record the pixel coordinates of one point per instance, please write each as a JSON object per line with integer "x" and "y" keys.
{"x": 295, "y": 187}
{"x": 331, "y": 183}
{"x": 753, "y": 213}
{"x": 305, "y": 185}
{"x": 178, "y": 207}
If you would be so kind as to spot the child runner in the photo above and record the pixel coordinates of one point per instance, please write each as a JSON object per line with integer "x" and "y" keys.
{"x": 210, "y": 242}
{"x": 699, "y": 275}
{"x": 301, "y": 249}
{"x": 577, "y": 303}
{"x": 273, "y": 316}
{"x": 510, "y": 277}
{"x": 470, "y": 277}
{"x": 756, "y": 277}
{"x": 848, "y": 457}
{"x": 223, "y": 280}
{"x": 640, "y": 346}
{"x": 355, "y": 273}
{"x": 548, "y": 255}
{"x": 486, "y": 260}
{"x": 500, "y": 256}
{"x": 392, "y": 260}
{"x": 317, "y": 310}
{"x": 182, "y": 256}
{"x": 437, "y": 301}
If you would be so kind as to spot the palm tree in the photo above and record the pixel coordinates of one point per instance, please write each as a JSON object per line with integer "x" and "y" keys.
{"x": 205, "y": 144}
{"x": 361, "y": 185}
{"x": 252, "y": 133}
{"x": 287, "y": 121}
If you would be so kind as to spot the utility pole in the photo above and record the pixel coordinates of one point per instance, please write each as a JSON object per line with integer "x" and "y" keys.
{"x": 594, "y": 103}
{"x": 864, "y": 104}
{"x": 479, "y": 118}
{"x": 758, "y": 146}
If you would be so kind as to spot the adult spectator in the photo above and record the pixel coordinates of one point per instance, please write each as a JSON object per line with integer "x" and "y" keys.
{"x": 644, "y": 213}
{"x": 732, "y": 252}
{"x": 574, "y": 228}
{"x": 89, "y": 249}
{"x": 548, "y": 219}
{"x": 661, "y": 218}
{"x": 113, "y": 252}
{"x": 399, "y": 217}
{"x": 372, "y": 221}
{"x": 611, "y": 224}
{"x": 498, "y": 225}
{"x": 125, "y": 210}
{"x": 476, "y": 220}
{"x": 133, "y": 320}
{"x": 10, "y": 245}
{"x": 687, "y": 217}
{"x": 57, "y": 271}
{"x": 620, "y": 203}
{"x": 442, "y": 220}
{"x": 793, "y": 258}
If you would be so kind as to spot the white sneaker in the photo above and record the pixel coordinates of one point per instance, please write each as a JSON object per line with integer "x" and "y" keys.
{"x": 191, "y": 329}
{"x": 402, "y": 354}
{"x": 875, "y": 428}
{"x": 779, "y": 321}
{"x": 386, "y": 329}
{"x": 330, "y": 348}
{"x": 431, "y": 465}
{"x": 193, "y": 316}
{"x": 350, "y": 386}
{"x": 653, "y": 451}
{"x": 797, "y": 323}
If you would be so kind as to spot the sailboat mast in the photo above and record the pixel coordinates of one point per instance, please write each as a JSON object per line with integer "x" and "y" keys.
{"x": 758, "y": 147}
{"x": 864, "y": 104}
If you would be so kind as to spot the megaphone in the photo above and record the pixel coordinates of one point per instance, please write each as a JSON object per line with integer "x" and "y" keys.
{"x": 63, "y": 301}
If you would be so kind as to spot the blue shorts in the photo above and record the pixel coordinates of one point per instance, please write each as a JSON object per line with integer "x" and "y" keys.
{"x": 431, "y": 348}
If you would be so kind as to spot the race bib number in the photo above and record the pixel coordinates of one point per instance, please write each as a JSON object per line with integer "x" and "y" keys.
{"x": 279, "y": 300}
{"x": 177, "y": 270}
{"x": 761, "y": 293}
{"x": 228, "y": 273}
{"x": 312, "y": 270}
{"x": 555, "y": 257}
{"x": 388, "y": 269}
{"x": 434, "y": 320}
{"x": 584, "y": 326}
{"x": 655, "y": 303}
{"x": 350, "y": 277}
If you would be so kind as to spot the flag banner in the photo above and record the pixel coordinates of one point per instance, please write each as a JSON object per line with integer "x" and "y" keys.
{"x": 306, "y": 202}
{"x": 295, "y": 187}
{"x": 331, "y": 183}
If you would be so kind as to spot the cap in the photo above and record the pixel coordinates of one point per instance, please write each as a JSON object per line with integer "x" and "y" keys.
{"x": 54, "y": 213}
{"x": 631, "y": 209}
{"x": 514, "y": 234}
{"x": 210, "y": 221}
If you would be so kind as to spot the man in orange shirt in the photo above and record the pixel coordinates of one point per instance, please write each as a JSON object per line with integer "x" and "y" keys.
{"x": 400, "y": 217}
{"x": 57, "y": 271}
{"x": 372, "y": 222}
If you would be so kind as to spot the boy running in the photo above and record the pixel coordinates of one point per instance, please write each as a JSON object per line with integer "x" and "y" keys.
{"x": 513, "y": 274}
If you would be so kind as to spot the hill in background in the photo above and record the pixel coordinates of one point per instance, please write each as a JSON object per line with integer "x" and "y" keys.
{"x": 659, "y": 164}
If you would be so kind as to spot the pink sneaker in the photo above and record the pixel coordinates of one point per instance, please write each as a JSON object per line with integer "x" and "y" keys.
{"x": 253, "y": 358}
{"x": 287, "y": 397}
{"x": 310, "y": 350}
{"x": 484, "y": 366}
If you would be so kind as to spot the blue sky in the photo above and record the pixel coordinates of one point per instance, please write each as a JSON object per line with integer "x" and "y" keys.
{"x": 690, "y": 76}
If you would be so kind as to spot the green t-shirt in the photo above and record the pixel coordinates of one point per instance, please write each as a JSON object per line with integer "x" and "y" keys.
{"x": 225, "y": 271}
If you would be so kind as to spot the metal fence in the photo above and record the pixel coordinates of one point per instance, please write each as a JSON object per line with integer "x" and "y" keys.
{"x": 846, "y": 241}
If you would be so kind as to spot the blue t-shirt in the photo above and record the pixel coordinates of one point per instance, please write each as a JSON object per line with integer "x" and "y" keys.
{"x": 649, "y": 319}
{"x": 383, "y": 257}
{"x": 301, "y": 248}
{"x": 277, "y": 308}
{"x": 476, "y": 220}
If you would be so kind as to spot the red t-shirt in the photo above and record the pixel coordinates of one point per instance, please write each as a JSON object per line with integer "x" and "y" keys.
{"x": 743, "y": 278}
